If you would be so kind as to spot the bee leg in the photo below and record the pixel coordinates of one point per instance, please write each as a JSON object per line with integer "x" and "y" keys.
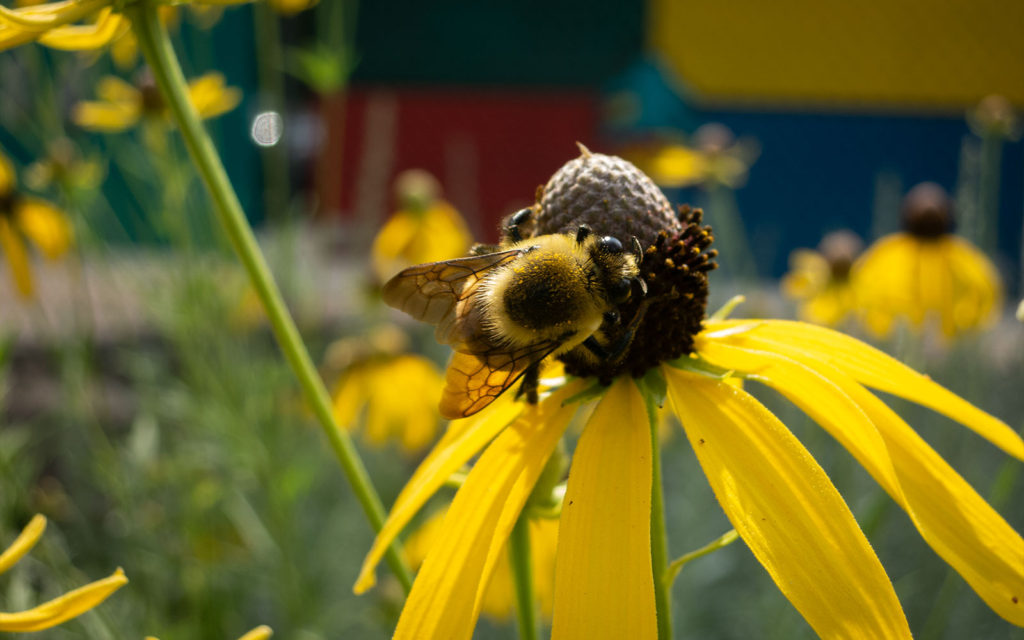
{"x": 481, "y": 249}
{"x": 582, "y": 233}
{"x": 618, "y": 349}
{"x": 518, "y": 218}
{"x": 595, "y": 348}
{"x": 531, "y": 380}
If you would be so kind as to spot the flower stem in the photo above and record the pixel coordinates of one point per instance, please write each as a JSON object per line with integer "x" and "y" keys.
{"x": 659, "y": 534}
{"x": 156, "y": 46}
{"x": 522, "y": 576}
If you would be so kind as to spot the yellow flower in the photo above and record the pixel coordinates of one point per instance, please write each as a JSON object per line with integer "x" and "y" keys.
{"x": 64, "y": 166}
{"x": 425, "y": 229}
{"x": 55, "y": 24}
{"x": 820, "y": 280}
{"x": 398, "y": 390}
{"x": 499, "y": 594}
{"x": 777, "y": 497}
{"x": 925, "y": 274}
{"x": 261, "y": 632}
{"x": 291, "y": 7}
{"x": 122, "y": 105}
{"x": 70, "y": 605}
{"x": 26, "y": 218}
{"x": 715, "y": 158}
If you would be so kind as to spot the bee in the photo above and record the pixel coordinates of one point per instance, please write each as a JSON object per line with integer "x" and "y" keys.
{"x": 511, "y": 305}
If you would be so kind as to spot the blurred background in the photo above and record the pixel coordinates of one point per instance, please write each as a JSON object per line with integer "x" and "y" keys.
{"x": 146, "y": 410}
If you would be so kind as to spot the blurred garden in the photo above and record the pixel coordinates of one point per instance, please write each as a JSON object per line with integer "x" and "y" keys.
{"x": 240, "y": 241}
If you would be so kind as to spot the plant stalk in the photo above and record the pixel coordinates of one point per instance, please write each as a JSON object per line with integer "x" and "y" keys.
{"x": 520, "y": 558}
{"x": 659, "y": 533}
{"x": 159, "y": 54}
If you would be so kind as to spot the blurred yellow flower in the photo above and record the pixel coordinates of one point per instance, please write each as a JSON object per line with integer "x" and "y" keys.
{"x": 499, "y": 595}
{"x": 425, "y": 229}
{"x": 56, "y": 24}
{"x": 716, "y": 158}
{"x": 122, "y": 105}
{"x": 64, "y": 166}
{"x": 28, "y": 219}
{"x": 925, "y": 274}
{"x": 398, "y": 390}
{"x": 261, "y": 632}
{"x": 70, "y": 605}
{"x": 291, "y": 7}
{"x": 820, "y": 280}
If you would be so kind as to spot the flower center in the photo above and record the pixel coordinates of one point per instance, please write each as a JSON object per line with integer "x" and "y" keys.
{"x": 927, "y": 212}
{"x": 840, "y": 249}
{"x": 8, "y": 201}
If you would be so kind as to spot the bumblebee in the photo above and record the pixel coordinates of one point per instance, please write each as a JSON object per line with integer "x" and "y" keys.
{"x": 509, "y": 306}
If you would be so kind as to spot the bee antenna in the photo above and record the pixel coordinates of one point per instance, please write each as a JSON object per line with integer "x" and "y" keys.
{"x": 638, "y": 251}
{"x": 640, "y": 284}
{"x": 582, "y": 233}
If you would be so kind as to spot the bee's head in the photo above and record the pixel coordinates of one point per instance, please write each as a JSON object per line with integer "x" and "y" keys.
{"x": 619, "y": 270}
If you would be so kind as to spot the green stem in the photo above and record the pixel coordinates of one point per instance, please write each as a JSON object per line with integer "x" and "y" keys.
{"x": 522, "y": 576}
{"x": 659, "y": 533}
{"x": 991, "y": 165}
{"x": 724, "y": 540}
{"x": 159, "y": 53}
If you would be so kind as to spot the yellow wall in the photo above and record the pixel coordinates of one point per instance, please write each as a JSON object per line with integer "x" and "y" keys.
{"x": 855, "y": 54}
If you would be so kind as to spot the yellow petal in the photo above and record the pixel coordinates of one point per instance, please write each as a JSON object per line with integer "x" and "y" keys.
{"x": 211, "y": 97}
{"x": 787, "y": 511}
{"x": 70, "y": 605}
{"x": 108, "y": 117}
{"x": 114, "y": 89}
{"x": 447, "y": 595}
{"x": 46, "y": 226}
{"x": 108, "y": 26}
{"x": 950, "y": 515}
{"x": 13, "y": 248}
{"x": 349, "y": 397}
{"x": 604, "y": 585}
{"x": 870, "y": 367}
{"x": 455, "y": 448}
{"x": 261, "y": 632}
{"x": 27, "y": 539}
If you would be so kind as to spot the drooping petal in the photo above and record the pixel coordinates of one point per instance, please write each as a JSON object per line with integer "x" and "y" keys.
{"x": 108, "y": 26}
{"x": 463, "y": 440}
{"x": 261, "y": 632}
{"x": 787, "y": 511}
{"x": 46, "y": 226}
{"x": 868, "y": 366}
{"x": 447, "y": 595}
{"x": 114, "y": 89}
{"x": 13, "y": 248}
{"x": 108, "y": 117}
{"x": 955, "y": 521}
{"x": 211, "y": 96}
{"x": 61, "y": 609}
{"x": 8, "y": 178}
{"x": 27, "y": 539}
{"x": 604, "y": 585}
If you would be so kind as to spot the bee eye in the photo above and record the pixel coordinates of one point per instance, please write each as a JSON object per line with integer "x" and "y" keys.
{"x": 610, "y": 244}
{"x": 619, "y": 292}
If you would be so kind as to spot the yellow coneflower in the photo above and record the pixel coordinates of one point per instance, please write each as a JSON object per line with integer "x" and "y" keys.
{"x": 60, "y": 25}
{"x": 779, "y": 500}
{"x": 424, "y": 229}
{"x": 926, "y": 275}
{"x": 820, "y": 280}
{"x": 27, "y": 219}
{"x": 70, "y": 605}
{"x": 715, "y": 158}
{"x": 122, "y": 105}
{"x": 498, "y": 599}
{"x": 372, "y": 370}
{"x": 261, "y": 632}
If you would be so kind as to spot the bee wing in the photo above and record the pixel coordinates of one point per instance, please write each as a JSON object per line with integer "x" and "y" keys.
{"x": 474, "y": 380}
{"x": 431, "y": 292}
